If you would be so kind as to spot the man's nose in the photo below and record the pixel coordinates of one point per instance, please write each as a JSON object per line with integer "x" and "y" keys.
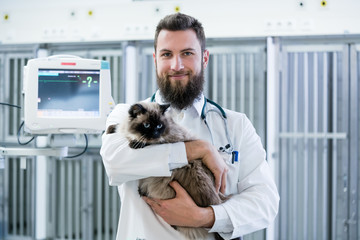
{"x": 177, "y": 63}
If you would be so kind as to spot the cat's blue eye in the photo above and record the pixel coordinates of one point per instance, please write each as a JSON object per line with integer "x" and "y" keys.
{"x": 146, "y": 125}
{"x": 159, "y": 126}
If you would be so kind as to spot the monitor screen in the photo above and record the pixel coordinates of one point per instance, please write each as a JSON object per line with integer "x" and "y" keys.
{"x": 68, "y": 93}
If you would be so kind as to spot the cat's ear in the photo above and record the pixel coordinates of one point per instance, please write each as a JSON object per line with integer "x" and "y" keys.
{"x": 136, "y": 109}
{"x": 164, "y": 107}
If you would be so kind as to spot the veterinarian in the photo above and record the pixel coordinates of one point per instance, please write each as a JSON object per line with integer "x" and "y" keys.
{"x": 228, "y": 145}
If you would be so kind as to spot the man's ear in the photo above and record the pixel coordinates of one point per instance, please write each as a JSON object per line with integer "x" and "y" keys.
{"x": 154, "y": 57}
{"x": 206, "y": 56}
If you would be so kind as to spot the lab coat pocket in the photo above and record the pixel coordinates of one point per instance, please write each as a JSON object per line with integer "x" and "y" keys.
{"x": 232, "y": 174}
{"x": 231, "y": 159}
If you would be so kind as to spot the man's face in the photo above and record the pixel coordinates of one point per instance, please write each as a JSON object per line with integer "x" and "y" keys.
{"x": 179, "y": 67}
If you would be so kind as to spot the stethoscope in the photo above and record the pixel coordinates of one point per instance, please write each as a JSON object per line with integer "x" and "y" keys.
{"x": 228, "y": 148}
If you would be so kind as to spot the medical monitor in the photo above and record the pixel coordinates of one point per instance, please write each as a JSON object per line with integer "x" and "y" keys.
{"x": 66, "y": 94}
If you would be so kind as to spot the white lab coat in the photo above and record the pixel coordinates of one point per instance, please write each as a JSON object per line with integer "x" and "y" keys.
{"x": 254, "y": 202}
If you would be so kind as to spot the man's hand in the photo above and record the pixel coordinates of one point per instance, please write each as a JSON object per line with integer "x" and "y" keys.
{"x": 203, "y": 150}
{"x": 182, "y": 210}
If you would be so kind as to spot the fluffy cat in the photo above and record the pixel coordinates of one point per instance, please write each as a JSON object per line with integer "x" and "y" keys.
{"x": 150, "y": 123}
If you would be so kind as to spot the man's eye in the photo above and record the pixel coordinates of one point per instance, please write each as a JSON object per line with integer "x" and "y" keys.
{"x": 188, "y": 53}
{"x": 166, "y": 55}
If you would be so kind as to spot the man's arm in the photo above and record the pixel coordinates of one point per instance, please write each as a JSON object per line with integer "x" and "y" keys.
{"x": 182, "y": 210}
{"x": 123, "y": 163}
{"x": 203, "y": 150}
{"x": 255, "y": 205}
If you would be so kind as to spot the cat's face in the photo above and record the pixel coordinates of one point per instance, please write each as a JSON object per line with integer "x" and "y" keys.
{"x": 147, "y": 121}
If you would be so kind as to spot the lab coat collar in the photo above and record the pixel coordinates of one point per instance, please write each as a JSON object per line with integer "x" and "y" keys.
{"x": 197, "y": 105}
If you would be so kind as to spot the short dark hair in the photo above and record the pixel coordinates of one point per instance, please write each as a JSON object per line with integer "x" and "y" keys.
{"x": 178, "y": 22}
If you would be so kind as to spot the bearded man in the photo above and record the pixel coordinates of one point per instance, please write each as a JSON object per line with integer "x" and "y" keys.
{"x": 180, "y": 59}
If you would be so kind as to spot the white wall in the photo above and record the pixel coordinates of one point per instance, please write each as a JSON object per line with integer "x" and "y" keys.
{"x": 40, "y": 21}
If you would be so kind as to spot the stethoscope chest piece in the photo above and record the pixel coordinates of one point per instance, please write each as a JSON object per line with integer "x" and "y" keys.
{"x": 227, "y": 148}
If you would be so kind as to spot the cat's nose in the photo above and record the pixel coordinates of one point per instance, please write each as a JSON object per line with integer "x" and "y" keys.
{"x": 157, "y": 134}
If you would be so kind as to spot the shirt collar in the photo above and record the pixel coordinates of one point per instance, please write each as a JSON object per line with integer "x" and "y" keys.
{"x": 197, "y": 105}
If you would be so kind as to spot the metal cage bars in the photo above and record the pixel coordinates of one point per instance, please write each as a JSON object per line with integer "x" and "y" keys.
{"x": 12, "y": 69}
{"x": 314, "y": 142}
{"x": 236, "y": 79}
{"x": 353, "y": 221}
{"x": 17, "y": 200}
{"x": 82, "y": 203}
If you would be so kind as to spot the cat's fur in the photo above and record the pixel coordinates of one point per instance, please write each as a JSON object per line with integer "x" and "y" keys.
{"x": 150, "y": 123}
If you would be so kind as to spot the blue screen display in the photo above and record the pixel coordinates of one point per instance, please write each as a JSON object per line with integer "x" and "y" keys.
{"x": 68, "y": 93}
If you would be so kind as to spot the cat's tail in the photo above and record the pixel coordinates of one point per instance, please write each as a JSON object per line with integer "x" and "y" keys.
{"x": 224, "y": 197}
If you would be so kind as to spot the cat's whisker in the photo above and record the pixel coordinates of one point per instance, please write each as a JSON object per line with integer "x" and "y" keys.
{"x": 141, "y": 142}
{"x": 143, "y": 138}
{"x": 137, "y": 144}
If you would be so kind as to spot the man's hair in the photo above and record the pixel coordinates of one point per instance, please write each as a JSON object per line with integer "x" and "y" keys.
{"x": 178, "y": 22}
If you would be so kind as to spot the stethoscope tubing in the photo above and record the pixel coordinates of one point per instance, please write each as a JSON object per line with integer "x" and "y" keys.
{"x": 228, "y": 148}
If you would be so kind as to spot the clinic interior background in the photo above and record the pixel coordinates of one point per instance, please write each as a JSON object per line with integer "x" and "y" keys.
{"x": 292, "y": 66}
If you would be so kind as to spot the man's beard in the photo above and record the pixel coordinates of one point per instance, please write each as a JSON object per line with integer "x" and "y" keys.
{"x": 176, "y": 94}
